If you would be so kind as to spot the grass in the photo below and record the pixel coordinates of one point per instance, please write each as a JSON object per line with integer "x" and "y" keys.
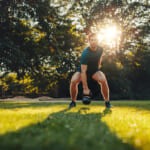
{"x": 33, "y": 125}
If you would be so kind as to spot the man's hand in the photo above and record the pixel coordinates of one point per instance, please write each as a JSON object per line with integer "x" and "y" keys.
{"x": 86, "y": 91}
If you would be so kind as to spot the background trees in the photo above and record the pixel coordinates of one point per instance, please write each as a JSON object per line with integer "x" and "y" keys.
{"x": 37, "y": 40}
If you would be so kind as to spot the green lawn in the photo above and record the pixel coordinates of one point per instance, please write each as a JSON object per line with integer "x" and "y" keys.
{"x": 43, "y": 125}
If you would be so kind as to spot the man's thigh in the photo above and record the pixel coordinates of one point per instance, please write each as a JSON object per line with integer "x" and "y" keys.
{"x": 99, "y": 76}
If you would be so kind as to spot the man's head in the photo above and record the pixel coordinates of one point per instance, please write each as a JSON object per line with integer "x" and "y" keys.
{"x": 93, "y": 41}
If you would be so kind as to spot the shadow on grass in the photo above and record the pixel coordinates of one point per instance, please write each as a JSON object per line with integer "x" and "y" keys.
{"x": 66, "y": 130}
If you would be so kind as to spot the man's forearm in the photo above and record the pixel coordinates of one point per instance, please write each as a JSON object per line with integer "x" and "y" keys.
{"x": 84, "y": 80}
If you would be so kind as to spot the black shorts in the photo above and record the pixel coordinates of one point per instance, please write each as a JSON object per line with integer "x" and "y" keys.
{"x": 89, "y": 73}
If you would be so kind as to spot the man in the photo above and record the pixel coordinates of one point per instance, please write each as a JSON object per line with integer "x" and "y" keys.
{"x": 89, "y": 68}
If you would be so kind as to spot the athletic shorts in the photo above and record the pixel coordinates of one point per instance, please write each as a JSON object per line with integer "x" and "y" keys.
{"x": 89, "y": 73}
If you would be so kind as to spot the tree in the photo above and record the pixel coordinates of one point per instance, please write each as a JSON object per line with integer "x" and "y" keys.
{"x": 34, "y": 32}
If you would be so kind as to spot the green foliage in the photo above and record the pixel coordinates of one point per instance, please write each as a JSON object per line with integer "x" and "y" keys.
{"x": 139, "y": 73}
{"x": 33, "y": 32}
{"x": 30, "y": 85}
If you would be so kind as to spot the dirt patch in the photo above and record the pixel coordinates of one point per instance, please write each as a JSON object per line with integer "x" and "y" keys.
{"x": 42, "y": 98}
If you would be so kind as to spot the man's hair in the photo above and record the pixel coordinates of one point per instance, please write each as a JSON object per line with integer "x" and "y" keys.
{"x": 91, "y": 35}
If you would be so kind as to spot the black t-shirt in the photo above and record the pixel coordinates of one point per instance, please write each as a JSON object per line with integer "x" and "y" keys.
{"x": 91, "y": 59}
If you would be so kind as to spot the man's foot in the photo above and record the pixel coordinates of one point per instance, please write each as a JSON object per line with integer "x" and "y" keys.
{"x": 72, "y": 104}
{"x": 108, "y": 105}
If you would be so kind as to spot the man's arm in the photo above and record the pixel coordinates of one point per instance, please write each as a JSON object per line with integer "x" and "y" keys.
{"x": 86, "y": 90}
{"x": 99, "y": 62}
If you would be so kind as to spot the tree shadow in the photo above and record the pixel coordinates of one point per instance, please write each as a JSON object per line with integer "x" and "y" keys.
{"x": 66, "y": 130}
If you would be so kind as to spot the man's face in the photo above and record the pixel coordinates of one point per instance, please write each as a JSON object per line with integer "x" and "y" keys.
{"x": 93, "y": 41}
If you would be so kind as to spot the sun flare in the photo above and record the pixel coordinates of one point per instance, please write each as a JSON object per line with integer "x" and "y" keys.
{"x": 109, "y": 36}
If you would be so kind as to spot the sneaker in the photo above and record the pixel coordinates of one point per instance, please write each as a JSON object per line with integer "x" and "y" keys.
{"x": 108, "y": 105}
{"x": 72, "y": 104}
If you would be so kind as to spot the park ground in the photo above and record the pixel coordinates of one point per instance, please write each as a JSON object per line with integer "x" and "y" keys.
{"x": 49, "y": 124}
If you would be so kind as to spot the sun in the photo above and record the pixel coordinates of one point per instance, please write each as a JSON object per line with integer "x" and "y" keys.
{"x": 110, "y": 36}
{"x": 111, "y": 33}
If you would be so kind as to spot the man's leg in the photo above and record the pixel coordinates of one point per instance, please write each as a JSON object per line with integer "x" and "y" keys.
{"x": 76, "y": 79}
{"x": 101, "y": 79}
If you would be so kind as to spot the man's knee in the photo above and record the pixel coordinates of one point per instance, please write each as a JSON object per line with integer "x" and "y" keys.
{"x": 102, "y": 81}
{"x": 76, "y": 78}
{"x": 99, "y": 77}
{"x": 74, "y": 81}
